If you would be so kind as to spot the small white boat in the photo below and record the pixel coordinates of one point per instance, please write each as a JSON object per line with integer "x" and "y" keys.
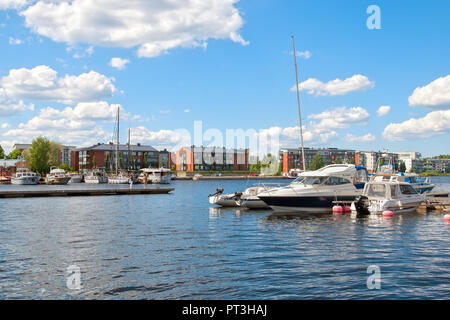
{"x": 225, "y": 200}
{"x": 121, "y": 178}
{"x": 95, "y": 177}
{"x": 57, "y": 176}
{"x": 250, "y": 200}
{"x": 75, "y": 178}
{"x": 395, "y": 196}
{"x": 155, "y": 175}
{"x": 421, "y": 185}
{"x": 24, "y": 176}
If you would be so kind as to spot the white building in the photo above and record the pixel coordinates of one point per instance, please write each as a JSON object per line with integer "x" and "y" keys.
{"x": 413, "y": 160}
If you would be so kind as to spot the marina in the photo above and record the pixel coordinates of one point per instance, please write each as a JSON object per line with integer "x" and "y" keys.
{"x": 179, "y": 246}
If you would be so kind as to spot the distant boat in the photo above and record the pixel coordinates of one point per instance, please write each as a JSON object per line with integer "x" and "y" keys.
{"x": 121, "y": 178}
{"x": 5, "y": 177}
{"x": 95, "y": 177}
{"x": 24, "y": 176}
{"x": 57, "y": 176}
{"x": 419, "y": 184}
{"x": 75, "y": 178}
{"x": 154, "y": 175}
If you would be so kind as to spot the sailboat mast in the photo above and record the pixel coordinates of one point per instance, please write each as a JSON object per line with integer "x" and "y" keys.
{"x": 129, "y": 151}
{"x": 298, "y": 104}
{"x": 117, "y": 145}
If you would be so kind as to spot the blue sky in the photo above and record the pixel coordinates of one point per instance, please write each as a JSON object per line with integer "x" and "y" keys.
{"x": 234, "y": 70}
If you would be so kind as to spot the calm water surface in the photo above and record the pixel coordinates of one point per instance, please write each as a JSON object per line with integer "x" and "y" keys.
{"x": 178, "y": 246}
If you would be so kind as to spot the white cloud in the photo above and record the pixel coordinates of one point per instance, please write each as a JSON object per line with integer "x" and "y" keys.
{"x": 43, "y": 83}
{"x": 12, "y": 4}
{"x": 383, "y": 110}
{"x": 187, "y": 110}
{"x": 434, "y": 123}
{"x": 340, "y": 117}
{"x": 163, "y": 139}
{"x": 10, "y": 107}
{"x": 165, "y": 111}
{"x": 118, "y": 63}
{"x": 5, "y": 125}
{"x": 153, "y": 26}
{"x": 12, "y": 41}
{"x": 89, "y": 51}
{"x": 365, "y": 138}
{"x": 335, "y": 87}
{"x": 303, "y": 54}
{"x": 434, "y": 95}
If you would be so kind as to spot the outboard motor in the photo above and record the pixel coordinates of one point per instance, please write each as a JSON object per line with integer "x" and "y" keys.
{"x": 219, "y": 191}
{"x": 362, "y": 205}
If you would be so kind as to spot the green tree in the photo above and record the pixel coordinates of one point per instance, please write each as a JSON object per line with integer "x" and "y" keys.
{"x": 65, "y": 167}
{"x": 337, "y": 160}
{"x": 2, "y": 153}
{"x": 107, "y": 162}
{"x": 316, "y": 162}
{"x": 402, "y": 167}
{"x": 39, "y": 155}
{"x": 15, "y": 154}
{"x": 54, "y": 154}
{"x": 144, "y": 163}
{"x": 352, "y": 161}
{"x": 94, "y": 162}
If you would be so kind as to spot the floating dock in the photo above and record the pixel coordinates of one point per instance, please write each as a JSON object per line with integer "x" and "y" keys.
{"x": 82, "y": 193}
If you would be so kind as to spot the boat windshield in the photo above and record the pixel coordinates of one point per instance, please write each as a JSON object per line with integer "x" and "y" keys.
{"x": 376, "y": 190}
{"x": 314, "y": 180}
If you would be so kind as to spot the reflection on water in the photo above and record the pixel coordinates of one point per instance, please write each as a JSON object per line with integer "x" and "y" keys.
{"x": 178, "y": 246}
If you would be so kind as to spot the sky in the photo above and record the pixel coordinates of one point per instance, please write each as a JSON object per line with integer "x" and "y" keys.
{"x": 370, "y": 78}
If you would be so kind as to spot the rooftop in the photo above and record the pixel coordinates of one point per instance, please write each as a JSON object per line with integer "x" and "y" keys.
{"x": 122, "y": 147}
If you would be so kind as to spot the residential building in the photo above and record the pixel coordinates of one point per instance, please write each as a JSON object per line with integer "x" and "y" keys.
{"x": 373, "y": 159}
{"x": 65, "y": 153}
{"x": 439, "y": 165}
{"x": 413, "y": 161}
{"x": 211, "y": 159}
{"x": 104, "y": 156}
{"x": 292, "y": 158}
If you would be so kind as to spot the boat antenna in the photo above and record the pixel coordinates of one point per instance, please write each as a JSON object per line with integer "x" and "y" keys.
{"x": 298, "y": 105}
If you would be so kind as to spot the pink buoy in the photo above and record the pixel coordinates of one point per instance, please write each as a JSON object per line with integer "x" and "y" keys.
{"x": 347, "y": 209}
{"x": 447, "y": 217}
{"x": 337, "y": 210}
{"x": 388, "y": 213}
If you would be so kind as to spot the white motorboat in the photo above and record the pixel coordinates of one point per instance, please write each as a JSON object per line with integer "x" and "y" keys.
{"x": 225, "y": 200}
{"x": 155, "y": 175}
{"x": 393, "y": 195}
{"x": 121, "y": 178}
{"x": 315, "y": 191}
{"x": 95, "y": 177}
{"x": 421, "y": 185}
{"x": 57, "y": 176}
{"x": 75, "y": 178}
{"x": 24, "y": 176}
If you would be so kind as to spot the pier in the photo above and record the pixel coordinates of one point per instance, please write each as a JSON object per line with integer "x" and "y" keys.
{"x": 82, "y": 193}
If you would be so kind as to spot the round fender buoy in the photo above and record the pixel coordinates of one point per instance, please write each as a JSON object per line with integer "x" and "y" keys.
{"x": 447, "y": 217}
{"x": 388, "y": 213}
{"x": 347, "y": 209}
{"x": 337, "y": 210}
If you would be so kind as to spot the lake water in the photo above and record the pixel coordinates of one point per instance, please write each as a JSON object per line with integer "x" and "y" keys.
{"x": 178, "y": 246}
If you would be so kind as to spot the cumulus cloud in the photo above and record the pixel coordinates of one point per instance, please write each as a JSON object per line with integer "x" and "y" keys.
{"x": 12, "y": 41}
{"x": 12, "y": 4}
{"x": 10, "y": 107}
{"x": 171, "y": 140}
{"x": 153, "y": 26}
{"x": 335, "y": 87}
{"x": 303, "y": 54}
{"x": 434, "y": 123}
{"x": 365, "y": 138}
{"x": 383, "y": 110}
{"x": 5, "y": 125}
{"x": 340, "y": 117}
{"x": 118, "y": 63}
{"x": 436, "y": 94}
{"x": 43, "y": 83}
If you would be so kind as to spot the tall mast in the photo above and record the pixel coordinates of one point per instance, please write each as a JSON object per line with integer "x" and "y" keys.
{"x": 298, "y": 104}
{"x": 129, "y": 154}
{"x": 117, "y": 145}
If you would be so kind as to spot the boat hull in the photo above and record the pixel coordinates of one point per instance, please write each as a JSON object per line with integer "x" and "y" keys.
{"x": 254, "y": 203}
{"x": 96, "y": 180}
{"x": 307, "y": 204}
{"x": 58, "y": 181}
{"x": 25, "y": 181}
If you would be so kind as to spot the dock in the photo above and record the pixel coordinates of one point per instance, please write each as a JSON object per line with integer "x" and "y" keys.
{"x": 82, "y": 193}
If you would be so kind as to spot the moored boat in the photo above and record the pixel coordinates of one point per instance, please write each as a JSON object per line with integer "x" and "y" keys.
{"x": 95, "y": 177}
{"x": 155, "y": 175}
{"x": 393, "y": 195}
{"x": 57, "y": 176}
{"x": 315, "y": 191}
{"x": 421, "y": 185}
{"x": 5, "y": 177}
{"x": 24, "y": 176}
{"x": 121, "y": 178}
{"x": 75, "y": 178}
